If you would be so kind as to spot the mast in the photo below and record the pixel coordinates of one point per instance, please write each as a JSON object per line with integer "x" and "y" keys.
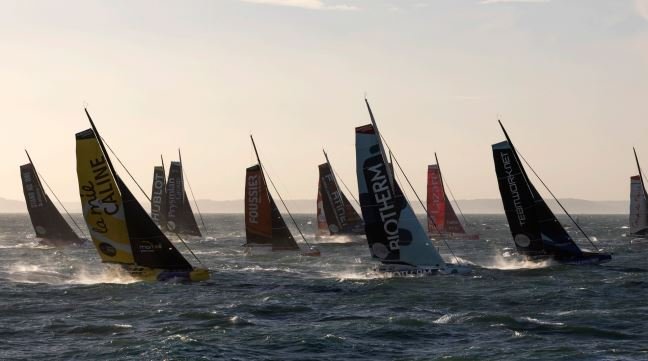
{"x": 390, "y": 174}
{"x": 643, "y": 187}
{"x": 103, "y": 148}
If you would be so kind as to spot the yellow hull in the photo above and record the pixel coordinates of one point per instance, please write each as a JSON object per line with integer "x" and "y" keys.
{"x": 156, "y": 274}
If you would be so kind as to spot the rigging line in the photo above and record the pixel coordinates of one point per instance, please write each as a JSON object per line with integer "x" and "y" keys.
{"x": 285, "y": 206}
{"x": 194, "y": 200}
{"x": 557, "y": 201}
{"x": 420, "y": 201}
{"x": 184, "y": 176}
{"x": 345, "y": 187}
{"x": 641, "y": 173}
{"x": 149, "y": 198}
{"x": 62, "y": 206}
{"x": 445, "y": 185}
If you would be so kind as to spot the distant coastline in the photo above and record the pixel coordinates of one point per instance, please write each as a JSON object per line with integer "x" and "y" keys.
{"x": 468, "y": 206}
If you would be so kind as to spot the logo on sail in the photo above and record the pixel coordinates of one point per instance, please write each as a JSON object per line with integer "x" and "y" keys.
{"x": 513, "y": 188}
{"x": 253, "y": 198}
{"x": 376, "y": 176}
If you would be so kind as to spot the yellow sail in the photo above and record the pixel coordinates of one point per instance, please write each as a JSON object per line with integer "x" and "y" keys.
{"x": 101, "y": 201}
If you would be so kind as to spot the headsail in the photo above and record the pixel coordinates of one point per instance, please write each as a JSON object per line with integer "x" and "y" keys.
{"x": 338, "y": 212}
{"x": 120, "y": 228}
{"x": 49, "y": 224}
{"x": 180, "y": 217}
{"x": 393, "y": 232}
{"x": 443, "y": 218}
{"x": 534, "y": 228}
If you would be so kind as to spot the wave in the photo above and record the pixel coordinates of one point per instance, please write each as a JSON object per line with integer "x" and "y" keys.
{"x": 81, "y": 275}
{"x": 509, "y": 262}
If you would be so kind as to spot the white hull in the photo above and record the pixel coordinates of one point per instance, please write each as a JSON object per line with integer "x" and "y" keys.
{"x": 404, "y": 270}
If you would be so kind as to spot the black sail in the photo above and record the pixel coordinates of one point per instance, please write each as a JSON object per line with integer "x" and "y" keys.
{"x": 49, "y": 224}
{"x": 151, "y": 248}
{"x": 341, "y": 218}
{"x": 180, "y": 217}
{"x": 159, "y": 197}
{"x": 534, "y": 227}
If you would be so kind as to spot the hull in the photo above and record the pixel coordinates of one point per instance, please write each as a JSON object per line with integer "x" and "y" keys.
{"x": 457, "y": 236}
{"x": 162, "y": 275}
{"x": 405, "y": 270}
{"x": 588, "y": 258}
{"x": 59, "y": 243}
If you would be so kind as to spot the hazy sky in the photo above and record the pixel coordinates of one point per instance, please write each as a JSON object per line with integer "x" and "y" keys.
{"x": 569, "y": 79}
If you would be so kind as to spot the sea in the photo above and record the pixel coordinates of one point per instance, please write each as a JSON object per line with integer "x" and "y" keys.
{"x": 64, "y": 304}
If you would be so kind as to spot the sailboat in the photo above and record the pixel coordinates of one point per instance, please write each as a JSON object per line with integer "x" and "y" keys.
{"x": 265, "y": 228}
{"x": 170, "y": 205}
{"x": 638, "y": 204}
{"x": 49, "y": 225}
{"x": 443, "y": 220}
{"x": 394, "y": 234}
{"x": 537, "y": 233}
{"x": 120, "y": 228}
{"x": 335, "y": 214}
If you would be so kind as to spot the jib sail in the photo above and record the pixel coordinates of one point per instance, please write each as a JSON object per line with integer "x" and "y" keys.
{"x": 120, "y": 228}
{"x": 180, "y": 217}
{"x": 264, "y": 225}
{"x": 393, "y": 232}
{"x": 534, "y": 228}
{"x": 338, "y": 212}
{"x": 49, "y": 224}
{"x": 443, "y": 218}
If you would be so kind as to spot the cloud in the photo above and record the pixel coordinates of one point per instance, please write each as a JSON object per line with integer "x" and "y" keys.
{"x": 642, "y": 8}
{"x": 486, "y": 2}
{"x": 304, "y": 4}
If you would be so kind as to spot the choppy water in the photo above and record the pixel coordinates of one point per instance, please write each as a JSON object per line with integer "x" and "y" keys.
{"x": 64, "y": 304}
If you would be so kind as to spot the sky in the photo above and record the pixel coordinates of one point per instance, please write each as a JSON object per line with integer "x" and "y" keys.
{"x": 568, "y": 78}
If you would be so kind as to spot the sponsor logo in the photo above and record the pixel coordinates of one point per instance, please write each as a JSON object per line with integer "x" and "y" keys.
{"x": 253, "y": 199}
{"x": 157, "y": 197}
{"x": 107, "y": 249}
{"x": 378, "y": 183}
{"x": 148, "y": 247}
{"x": 513, "y": 188}
{"x": 522, "y": 240}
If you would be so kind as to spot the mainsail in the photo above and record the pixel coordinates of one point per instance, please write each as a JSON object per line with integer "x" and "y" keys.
{"x": 159, "y": 197}
{"x": 120, "y": 228}
{"x": 443, "y": 218}
{"x": 535, "y": 230}
{"x": 334, "y": 209}
{"x": 49, "y": 224}
{"x": 394, "y": 234}
{"x": 264, "y": 225}
{"x": 638, "y": 204}
{"x": 180, "y": 217}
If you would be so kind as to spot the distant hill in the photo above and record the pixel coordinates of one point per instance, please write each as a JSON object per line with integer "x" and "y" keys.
{"x": 470, "y": 206}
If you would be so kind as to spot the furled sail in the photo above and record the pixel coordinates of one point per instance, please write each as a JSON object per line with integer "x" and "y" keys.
{"x": 159, "y": 197}
{"x": 120, "y": 228}
{"x": 393, "y": 232}
{"x": 443, "y": 218}
{"x": 180, "y": 217}
{"x": 338, "y": 212}
{"x": 264, "y": 225}
{"x": 49, "y": 224}
{"x": 534, "y": 228}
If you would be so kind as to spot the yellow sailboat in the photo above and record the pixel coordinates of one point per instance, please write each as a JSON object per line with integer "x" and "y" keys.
{"x": 120, "y": 228}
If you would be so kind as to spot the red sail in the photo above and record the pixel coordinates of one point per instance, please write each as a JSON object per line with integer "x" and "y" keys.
{"x": 439, "y": 206}
{"x": 258, "y": 212}
{"x": 436, "y": 203}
